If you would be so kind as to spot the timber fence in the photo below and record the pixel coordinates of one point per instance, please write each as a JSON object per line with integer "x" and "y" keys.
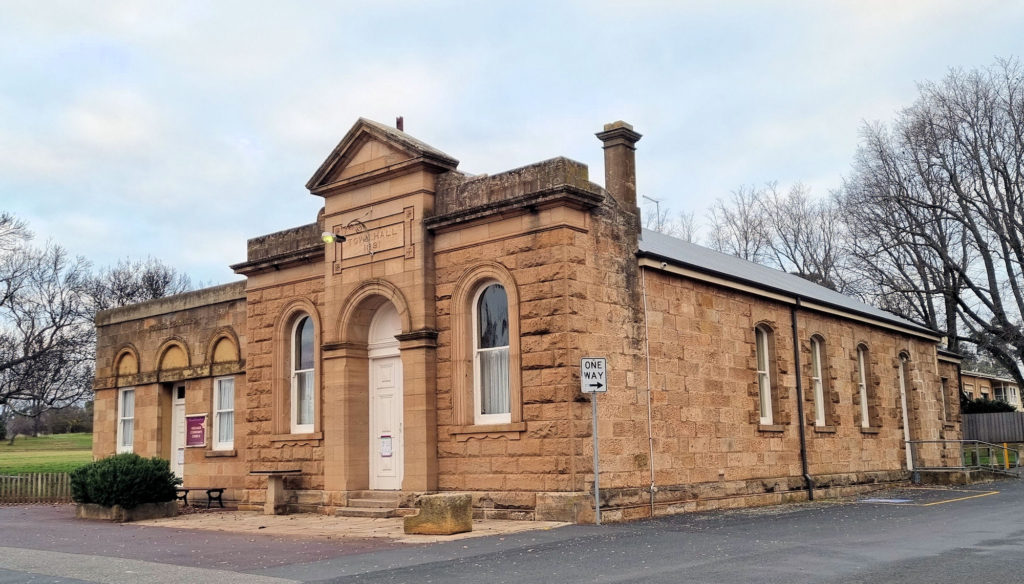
{"x": 38, "y": 487}
{"x": 994, "y": 428}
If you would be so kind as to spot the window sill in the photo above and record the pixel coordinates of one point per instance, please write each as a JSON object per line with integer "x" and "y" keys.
{"x": 771, "y": 428}
{"x": 309, "y": 436}
{"x": 221, "y": 453}
{"x": 871, "y": 430}
{"x": 825, "y": 429}
{"x": 510, "y": 430}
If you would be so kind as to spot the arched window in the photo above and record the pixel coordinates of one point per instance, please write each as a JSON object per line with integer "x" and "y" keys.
{"x": 302, "y": 378}
{"x": 492, "y": 400}
{"x": 818, "y": 381}
{"x": 763, "y": 343}
{"x": 862, "y": 385}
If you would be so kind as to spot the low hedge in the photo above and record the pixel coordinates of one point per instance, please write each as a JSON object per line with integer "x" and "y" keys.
{"x": 128, "y": 480}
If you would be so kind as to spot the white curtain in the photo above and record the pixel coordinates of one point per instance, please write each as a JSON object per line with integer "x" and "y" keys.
{"x": 304, "y": 397}
{"x": 226, "y": 411}
{"x": 127, "y": 417}
{"x": 494, "y": 394}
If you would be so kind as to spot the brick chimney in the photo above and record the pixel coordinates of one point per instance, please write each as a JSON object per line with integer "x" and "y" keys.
{"x": 620, "y": 161}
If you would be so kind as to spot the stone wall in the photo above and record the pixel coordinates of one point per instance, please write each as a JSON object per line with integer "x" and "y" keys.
{"x": 188, "y": 339}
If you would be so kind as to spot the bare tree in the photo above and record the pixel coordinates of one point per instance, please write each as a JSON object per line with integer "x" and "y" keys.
{"x": 131, "y": 281}
{"x": 948, "y": 180}
{"x": 46, "y": 341}
{"x": 805, "y": 236}
{"x": 738, "y": 227}
{"x": 656, "y": 218}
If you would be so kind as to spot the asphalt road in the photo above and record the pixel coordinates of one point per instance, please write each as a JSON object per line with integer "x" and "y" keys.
{"x": 966, "y": 536}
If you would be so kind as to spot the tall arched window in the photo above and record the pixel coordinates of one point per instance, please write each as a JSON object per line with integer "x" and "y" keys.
{"x": 302, "y": 365}
{"x": 818, "y": 380}
{"x": 862, "y": 385}
{"x": 763, "y": 343}
{"x": 492, "y": 403}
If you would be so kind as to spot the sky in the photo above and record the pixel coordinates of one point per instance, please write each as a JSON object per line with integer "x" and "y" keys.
{"x": 178, "y": 130}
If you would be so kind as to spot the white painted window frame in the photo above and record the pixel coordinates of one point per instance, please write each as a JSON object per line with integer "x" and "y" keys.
{"x": 121, "y": 419}
{"x": 479, "y": 417}
{"x": 862, "y": 387}
{"x": 296, "y": 427}
{"x": 817, "y": 382}
{"x": 219, "y": 410}
{"x": 764, "y": 377}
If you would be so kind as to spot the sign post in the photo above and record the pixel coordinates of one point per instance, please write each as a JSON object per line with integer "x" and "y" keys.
{"x": 594, "y": 380}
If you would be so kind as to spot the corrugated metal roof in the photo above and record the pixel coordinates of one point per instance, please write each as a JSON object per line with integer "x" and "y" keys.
{"x": 706, "y": 260}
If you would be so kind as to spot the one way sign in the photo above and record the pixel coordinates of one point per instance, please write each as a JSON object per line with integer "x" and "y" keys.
{"x": 593, "y": 375}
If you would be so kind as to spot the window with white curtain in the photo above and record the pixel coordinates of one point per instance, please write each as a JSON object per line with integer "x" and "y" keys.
{"x": 764, "y": 378}
{"x": 302, "y": 393}
{"x": 817, "y": 382}
{"x": 862, "y": 385}
{"x": 126, "y": 419}
{"x": 490, "y": 356}
{"x": 224, "y": 413}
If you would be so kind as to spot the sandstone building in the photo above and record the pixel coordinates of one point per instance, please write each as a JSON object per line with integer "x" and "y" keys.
{"x": 435, "y": 345}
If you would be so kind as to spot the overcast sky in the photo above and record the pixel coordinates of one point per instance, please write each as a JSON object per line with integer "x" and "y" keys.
{"x": 179, "y": 129}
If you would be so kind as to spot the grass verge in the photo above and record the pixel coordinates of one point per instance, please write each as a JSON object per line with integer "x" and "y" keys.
{"x": 56, "y": 453}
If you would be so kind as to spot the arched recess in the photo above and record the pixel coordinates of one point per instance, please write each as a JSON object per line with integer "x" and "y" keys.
{"x": 465, "y": 291}
{"x": 223, "y": 347}
{"x": 282, "y": 347}
{"x": 173, "y": 354}
{"x": 126, "y": 365}
{"x": 353, "y": 324}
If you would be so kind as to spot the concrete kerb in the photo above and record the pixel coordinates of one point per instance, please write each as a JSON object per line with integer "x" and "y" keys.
{"x": 316, "y": 526}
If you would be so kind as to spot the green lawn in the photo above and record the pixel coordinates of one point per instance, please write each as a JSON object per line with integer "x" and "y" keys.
{"x": 58, "y": 453}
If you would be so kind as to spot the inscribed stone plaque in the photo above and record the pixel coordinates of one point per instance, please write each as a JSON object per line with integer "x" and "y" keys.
{"x": 373, "y": 240}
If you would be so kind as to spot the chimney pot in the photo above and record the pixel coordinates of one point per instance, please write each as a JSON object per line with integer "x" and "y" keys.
{"x": 400, "y": 123}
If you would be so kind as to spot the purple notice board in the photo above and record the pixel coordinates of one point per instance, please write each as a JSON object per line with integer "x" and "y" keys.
{"x": 195, "y": 430}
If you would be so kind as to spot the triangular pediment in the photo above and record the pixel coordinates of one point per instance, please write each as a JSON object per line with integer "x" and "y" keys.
{"x": 371, "y": 148}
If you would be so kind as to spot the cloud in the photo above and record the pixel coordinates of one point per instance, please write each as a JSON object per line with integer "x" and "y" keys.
{"x": 114, "y": 120}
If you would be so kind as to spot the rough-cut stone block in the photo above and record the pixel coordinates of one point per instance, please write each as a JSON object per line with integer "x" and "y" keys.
{"x": 441, "y": 515}
{"x": 119, "y": 514}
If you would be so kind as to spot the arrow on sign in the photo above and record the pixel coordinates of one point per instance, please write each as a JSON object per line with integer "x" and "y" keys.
{"x": 597, "y": 385}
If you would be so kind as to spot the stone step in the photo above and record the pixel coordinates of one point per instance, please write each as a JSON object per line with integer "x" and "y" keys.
{"x": 373, "y": 512}
{"x": 392, "y": 496}
{"x": 384, "y": 503}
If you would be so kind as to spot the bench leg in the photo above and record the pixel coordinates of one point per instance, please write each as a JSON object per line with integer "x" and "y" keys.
{"x": 215, "y": 495}
{"x": 275, "y": 495}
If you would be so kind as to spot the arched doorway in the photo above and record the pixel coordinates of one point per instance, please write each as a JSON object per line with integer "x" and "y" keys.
{"x": 386, "y": 399}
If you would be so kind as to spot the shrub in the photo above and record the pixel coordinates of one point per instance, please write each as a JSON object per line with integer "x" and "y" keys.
{"x": 127, "y": 480}
{"x": 982, "y": 405}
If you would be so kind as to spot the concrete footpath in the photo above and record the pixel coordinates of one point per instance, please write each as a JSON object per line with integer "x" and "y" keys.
{"x": 311, "y": 525}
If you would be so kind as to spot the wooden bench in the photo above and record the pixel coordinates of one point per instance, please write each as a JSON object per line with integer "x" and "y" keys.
{"x": 212, "y": 494}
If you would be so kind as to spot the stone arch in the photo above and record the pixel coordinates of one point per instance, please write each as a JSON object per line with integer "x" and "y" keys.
{"x": 466, "y": 287}
{"x": 223, "y": 347}
{"x": 353, "y": 324}
{"x": 173, "y": 354}
{"x": 126, "y": 364}
{"x": 282, "y": 346}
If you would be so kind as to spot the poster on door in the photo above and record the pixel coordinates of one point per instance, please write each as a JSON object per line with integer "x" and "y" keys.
{"x": 195, "y": 430}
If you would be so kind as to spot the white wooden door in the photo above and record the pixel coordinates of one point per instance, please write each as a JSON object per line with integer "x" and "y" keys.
{"x": 386, "y": 423}
{"x": 178, "y": 431}
{"x": 386, "y": 401}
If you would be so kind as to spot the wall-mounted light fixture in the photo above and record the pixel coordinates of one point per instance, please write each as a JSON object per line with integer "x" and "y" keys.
{"x": 329, "y": 237}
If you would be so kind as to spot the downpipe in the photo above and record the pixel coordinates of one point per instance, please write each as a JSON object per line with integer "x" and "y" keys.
{"x": 801, "y": 422}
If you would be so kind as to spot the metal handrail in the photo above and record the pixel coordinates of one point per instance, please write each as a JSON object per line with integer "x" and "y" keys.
{"x": 998, "y": 456}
